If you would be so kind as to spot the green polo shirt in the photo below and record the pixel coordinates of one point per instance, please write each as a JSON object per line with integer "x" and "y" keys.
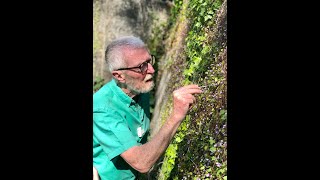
{"x": 119, "y": 123}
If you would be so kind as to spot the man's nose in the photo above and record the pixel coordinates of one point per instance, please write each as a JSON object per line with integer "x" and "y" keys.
{"x": 150, "y": 69}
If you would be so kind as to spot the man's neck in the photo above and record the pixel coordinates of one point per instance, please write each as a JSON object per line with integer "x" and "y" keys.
{"x": 126, "y": 90}
{"x": 129, "y": 93}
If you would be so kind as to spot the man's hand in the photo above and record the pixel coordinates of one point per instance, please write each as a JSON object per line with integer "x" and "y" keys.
{"x": 183, "y": 99}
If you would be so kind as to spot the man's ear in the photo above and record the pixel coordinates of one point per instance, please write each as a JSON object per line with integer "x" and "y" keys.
{"x": 119, "y": 76}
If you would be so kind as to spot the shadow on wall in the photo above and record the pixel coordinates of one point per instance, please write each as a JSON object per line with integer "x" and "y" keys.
{"x": 130, "y": 12}
{"x": 136, "y": 15}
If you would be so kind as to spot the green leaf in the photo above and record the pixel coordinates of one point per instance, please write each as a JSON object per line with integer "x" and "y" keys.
{"x": 207, "y": 17}
{"x": 213, "y": 149}
{"x": 222, "y": 112}
{"x": 202, "y": 11}
{"x": 205, "y": 49}
{"x": 220, "y": 171}
{"x": 198, "y": 24}
{"x": 210, "y": 12}
{"x": 178, "y": 139}
{"x": 211, "y": 141}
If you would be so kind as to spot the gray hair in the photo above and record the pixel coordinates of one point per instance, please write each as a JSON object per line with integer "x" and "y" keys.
{"x": 114, "y": 51}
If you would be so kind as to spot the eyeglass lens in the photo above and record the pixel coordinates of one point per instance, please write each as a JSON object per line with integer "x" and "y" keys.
{"x": 144, "y": 66}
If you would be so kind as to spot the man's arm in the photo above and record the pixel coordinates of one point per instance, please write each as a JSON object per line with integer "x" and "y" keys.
{"x": 143, "y": 157}
{"x": 95, "y": 174}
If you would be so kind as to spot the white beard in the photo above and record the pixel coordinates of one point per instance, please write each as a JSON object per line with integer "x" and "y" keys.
{"x": 146, "y": 86}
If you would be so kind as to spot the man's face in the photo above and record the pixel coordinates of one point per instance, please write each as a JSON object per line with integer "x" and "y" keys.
{"x": 138, "y": 82}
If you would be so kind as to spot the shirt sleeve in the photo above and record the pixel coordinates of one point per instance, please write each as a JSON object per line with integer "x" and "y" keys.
{"x": 113, "y": 133}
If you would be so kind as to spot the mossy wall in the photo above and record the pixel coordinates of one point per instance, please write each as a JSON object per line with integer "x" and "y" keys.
{"x": 194, "y": 50}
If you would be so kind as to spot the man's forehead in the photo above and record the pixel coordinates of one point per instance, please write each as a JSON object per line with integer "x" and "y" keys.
{"x": 135, "y": 56}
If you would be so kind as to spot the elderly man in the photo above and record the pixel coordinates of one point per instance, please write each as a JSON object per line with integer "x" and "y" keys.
{"x": 121, "y": 116}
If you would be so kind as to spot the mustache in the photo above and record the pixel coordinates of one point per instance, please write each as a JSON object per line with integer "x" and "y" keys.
{"x": 148, "y": 77}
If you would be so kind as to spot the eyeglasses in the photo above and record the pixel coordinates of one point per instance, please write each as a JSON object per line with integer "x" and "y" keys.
{"x": 142, "y": 68}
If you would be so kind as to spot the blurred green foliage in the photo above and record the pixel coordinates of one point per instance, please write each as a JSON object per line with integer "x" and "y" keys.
{"x": 97, "y": 84}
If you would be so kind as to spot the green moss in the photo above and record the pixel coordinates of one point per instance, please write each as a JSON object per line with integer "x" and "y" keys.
{"x": 195, "y": 51}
